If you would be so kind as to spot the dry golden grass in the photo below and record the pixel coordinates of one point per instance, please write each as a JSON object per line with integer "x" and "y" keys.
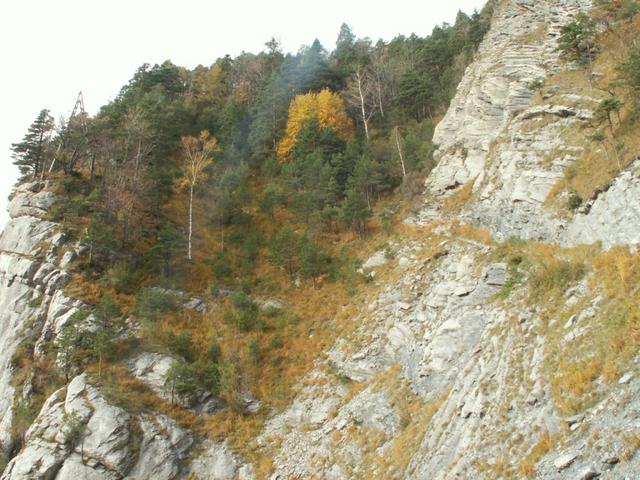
{"x": 536, "y": 35}
{"x": 83, "y": 289}
{"x": 632, "y": 445}
{"x": 550, "y": 270}
{"x": 527, "y": 465}
{"x": 241, "y": 431}
{"x": 618, "y": 271}
{"x": 573, "y": 383}
{"x": 415, "y": 421}
{"x": 458, "y": 199}
{"x": 129, "y": 393}
{"x": 611, "y": 338}
{"x": 469, "y": 232}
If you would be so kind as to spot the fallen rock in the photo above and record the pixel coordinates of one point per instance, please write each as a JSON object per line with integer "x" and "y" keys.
{"x": 270, "y": 304}
{"x": 588, "y": 474}
{"x": 625, "y": 379}
{"x": 151, "y": 369}
{"x": 496, "y": 275}
{"x": 376, "y": 260}
{"x": 565, "y": 460}
{"x": 571, "y": 322}
{"x": 77, "y": 468}
{"x": 574, "y": 420}
{"x": 67, "y": 258}
{"x": 196, "y": 304}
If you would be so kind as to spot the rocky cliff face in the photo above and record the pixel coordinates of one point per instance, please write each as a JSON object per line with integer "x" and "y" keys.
{"x": 30, "y": 281}
{"x": 505, "y": 141}
{"x": 454, "y": 369}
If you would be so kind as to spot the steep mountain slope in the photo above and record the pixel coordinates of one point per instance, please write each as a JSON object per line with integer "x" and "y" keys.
{"x": 471, "y": 354}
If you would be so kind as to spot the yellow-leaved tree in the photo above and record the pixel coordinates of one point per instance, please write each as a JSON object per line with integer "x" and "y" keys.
{"x": 326, "y": 107}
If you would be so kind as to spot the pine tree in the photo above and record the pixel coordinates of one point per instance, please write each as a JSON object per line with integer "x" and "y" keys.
{"x": 630, "y": 70}
{"x": 354, "y": 211}
{"x": 30, "y": 155}
{"x": 282, "y": 250}
{"x": 313, "y": 261}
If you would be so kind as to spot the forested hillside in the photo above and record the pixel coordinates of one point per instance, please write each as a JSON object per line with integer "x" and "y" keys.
{"x": 259, "y": 181}
{"x": 309, "y": 141}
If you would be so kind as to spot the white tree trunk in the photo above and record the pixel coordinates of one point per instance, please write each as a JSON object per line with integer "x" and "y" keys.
{"x": 190, "y": 218}
{"x": 404, "y": 171}
{"x": 362, "y": 104}
{"x": 379, "y": 92}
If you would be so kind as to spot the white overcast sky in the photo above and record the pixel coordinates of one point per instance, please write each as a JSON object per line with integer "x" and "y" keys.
{"x": 51, "y": 49}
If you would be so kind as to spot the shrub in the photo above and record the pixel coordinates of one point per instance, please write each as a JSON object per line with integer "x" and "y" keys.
{"x": 231, "y": 385}
{"x": 244, "y": 312}
{"x": 152, "y": 303}
{"x": 107, "y": 311}
{"x": 276, "y": 341}
{"x": 272, "y": 197}
{"x": 182, "y": 345}
{"x": 282, "y": 250}
{"x": 208, "y": 376}
{"x": 606, "y": 108}
{"x": 553, "y": 275}
{"x": 578, "y": 39}
{"x": 180, "y": 379}
{"x": 215, "y": 352}
{"x": 23, "y": 416}
{"x": 314, "y": 262}
{"x": 574, "y": 201}
{"x": 354, "y": 211}
{"x": 630, "y": 70}
{"x": 74, "y": 428}
{"x": 124, "y": 276}
{"x": 536, "y": 86}
{"x": 253, "y": 348}
{"x": 247, "y": 254}
{"x": 222, "y": 265}
{"x": 72, "y": 342}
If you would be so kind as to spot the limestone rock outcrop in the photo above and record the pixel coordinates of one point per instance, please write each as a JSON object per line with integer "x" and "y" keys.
{"x": 613, "y": 218}
{"x": 78, "y": 434}
{"x": 504, "y": 141}
{"x": 30, "y": 286}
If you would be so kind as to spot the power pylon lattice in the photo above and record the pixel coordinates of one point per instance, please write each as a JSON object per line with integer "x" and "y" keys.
{"x": 78, "y": 113}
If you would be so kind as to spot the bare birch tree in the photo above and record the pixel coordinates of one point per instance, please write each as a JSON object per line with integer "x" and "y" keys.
{"x": 198, "y": 155}
{"x": 399, "y": 147}
{"x": 362, "y": 95}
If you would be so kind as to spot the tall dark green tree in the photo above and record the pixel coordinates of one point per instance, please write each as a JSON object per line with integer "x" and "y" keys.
{"x": 354, "y": 211}
{"x": 31, "y": 154}
{"x": 630, "y": 70}
{"x": 314, "y": 262}
{"x": 282, "y": 250}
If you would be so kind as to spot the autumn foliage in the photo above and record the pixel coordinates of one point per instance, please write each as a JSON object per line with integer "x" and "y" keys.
{"x": 326, "y": 107}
